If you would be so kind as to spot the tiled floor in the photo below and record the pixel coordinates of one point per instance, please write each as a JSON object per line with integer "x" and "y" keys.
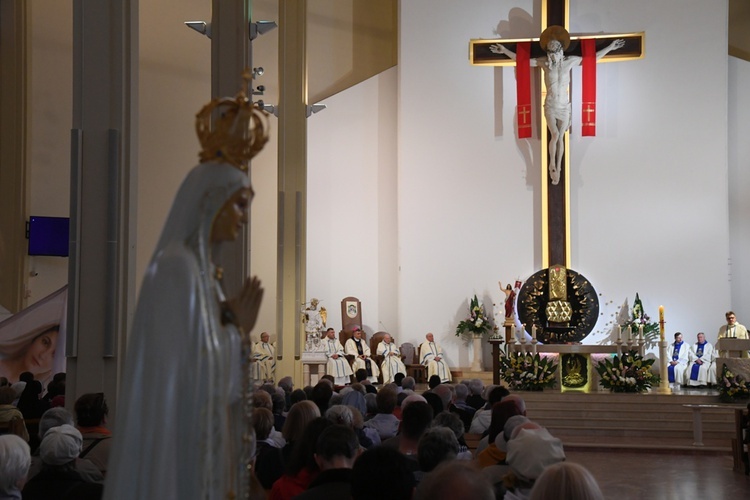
{"x": 664, "y": 476}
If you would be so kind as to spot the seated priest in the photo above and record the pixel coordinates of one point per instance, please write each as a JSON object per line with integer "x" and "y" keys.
{"x": 337, "y": 365}
{"x": 264, "y": 357}
{"x": 357, "y": 347}
{"x": 431, "y": 356}
{"x": 678, "y": 360}
{"x": 701, "y": 370}
{"x": 392, "y": 363}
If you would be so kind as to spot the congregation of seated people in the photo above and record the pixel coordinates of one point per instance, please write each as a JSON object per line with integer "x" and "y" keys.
{"x": 449, "y": 441}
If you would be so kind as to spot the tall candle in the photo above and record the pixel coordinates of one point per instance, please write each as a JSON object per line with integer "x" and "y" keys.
{"x": 661, "y": 322}
{"x": 630, "y": 333}
{"x": 513, "y": 332}
{"x": 619, "y": 333}
{"x": 533, "y": 332}
{"x": 640, "y": 332}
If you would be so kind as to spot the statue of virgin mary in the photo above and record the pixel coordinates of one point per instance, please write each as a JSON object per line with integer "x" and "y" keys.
{"x": 180, "y": 420}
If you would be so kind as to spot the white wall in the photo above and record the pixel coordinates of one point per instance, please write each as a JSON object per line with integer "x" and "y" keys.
{"x": 649, "y": 210}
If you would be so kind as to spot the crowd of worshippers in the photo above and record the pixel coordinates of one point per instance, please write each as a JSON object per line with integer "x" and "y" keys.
{"x": 45, "y": 451}
{"x": 450, "y": 442}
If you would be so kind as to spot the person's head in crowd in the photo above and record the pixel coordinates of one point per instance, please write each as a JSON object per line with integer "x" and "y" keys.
{"x": 278, "y": 402}
{"x": 59, "y": 376}
{"x": 55, "y": 388}
{"x": 398, "y": 379}
{"x": 15, "y": 460}
{"x": 308, "y": 391}
{"x": 337, "y": 448}
{"x": 566, "y": 481}
{"x": 91, "y": 410}
{"x": 286, "y": 383}
{"x": 299, "y": 416}
{"x": 7, "y": 395}
{"x": 372, "y": 404}
{"x": 54, "y": 417}
{"x": 416, "y": 418}
{"x": 434, "y": 401}
{"x": 530, "y": 451}
{"x": 61, "y": 446}
{"x": 450, "y": 421}
{"x": 518, "y": 401}
{"x": 4, "y": 382}
{"x": 345, "y": 390}
{"x": 501, "y": 412}
{"x": 355, "y": 399}
{"x": 31, "y": 392}
{"x": 411, "y": 398}
{"x": 434, "y": 381}
{"x": 446, "y": 395}
{"x": 361, "y": 376}
{"x": 382, "y": 472}
{"x": 455, "y": 480}
{"x": 400, "y": 399}
{"x": 501, "y": 441}
{"x": 296, "y": 396}
{"x": 409, "y": 383}
{"x": 340, "y": 415}
{"x": 329, "y": 379}
{"x": 269, "y": 388}
{"x": 262, "y": 422}
{"x": 321, "y": 395}
{"x": 358, "y": 387}
{"x": 496, "y": 394}
{"x": 437, "y": 445}
{"x": 26, "y": 377}
{"x": 476, "y": 386}
{"x": 462, "y": 392}
{"x": 386, "y": 400}
{"x": 303, "y": 450}
{"x": 358, "y": 420}
{"x": 261, "y": 399}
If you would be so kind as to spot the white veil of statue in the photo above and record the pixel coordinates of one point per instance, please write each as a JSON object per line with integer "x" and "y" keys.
{"x": 181, "y": 375}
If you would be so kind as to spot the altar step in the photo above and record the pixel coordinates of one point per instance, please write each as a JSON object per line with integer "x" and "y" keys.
{"x": 634, "y": 421}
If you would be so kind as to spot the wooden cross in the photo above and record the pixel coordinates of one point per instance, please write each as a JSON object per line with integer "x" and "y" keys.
{"x": 555, "y": 197}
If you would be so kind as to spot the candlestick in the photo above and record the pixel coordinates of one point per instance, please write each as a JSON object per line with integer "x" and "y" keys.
{"x": 661, "y": 322}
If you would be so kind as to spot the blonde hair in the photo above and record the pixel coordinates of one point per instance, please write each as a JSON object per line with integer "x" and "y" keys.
{"x": 300, "y": 414}
{"x": 566, "y": 481}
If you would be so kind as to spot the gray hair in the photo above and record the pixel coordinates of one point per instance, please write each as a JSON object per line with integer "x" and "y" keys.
{"x": 286, "y": 383}
{"x": 476, "y": 386}
{"x": 340, "y": 414}
{"x": 566, "y": 481}
{"x": 370, "y": 400}
{"x": 54, "y": 417}
{"x": 437, "y": 445}
{"x": 15, "y": 459}
{"x": 408, "y": 383}
{"x": 461, "y": 392}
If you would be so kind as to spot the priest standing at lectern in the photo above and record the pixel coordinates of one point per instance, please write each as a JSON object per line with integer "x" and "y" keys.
{"x": 337, "y": 365}
{"x": 431, "y": 356}
{"x": 358, "y": 348}
{"x": 733, "y": 330}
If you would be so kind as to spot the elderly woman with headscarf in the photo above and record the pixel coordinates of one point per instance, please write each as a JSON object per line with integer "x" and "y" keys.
{"x": 59, "y": 478}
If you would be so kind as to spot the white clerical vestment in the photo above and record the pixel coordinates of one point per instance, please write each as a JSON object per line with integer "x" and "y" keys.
{"x": 264, "y": 361}
{"x": 428, "y": 351}
{"x": 735, "y": 331}
{"x": 392, "y": 363}
{"x": 360, "y": 348}
{"x": 679, "y": 354}
{"x": 338, "y": 368}
{"x": 705, "y": 373}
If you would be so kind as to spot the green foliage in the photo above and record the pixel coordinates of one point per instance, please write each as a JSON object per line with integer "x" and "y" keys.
{"x": 732, "y": 387}
{"x": 477, "y": 321}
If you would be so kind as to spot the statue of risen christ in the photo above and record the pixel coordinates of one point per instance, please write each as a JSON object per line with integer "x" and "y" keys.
{"x": 556, "y": 67}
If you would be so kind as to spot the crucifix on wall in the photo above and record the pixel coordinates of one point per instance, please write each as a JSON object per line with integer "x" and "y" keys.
{"x": 547, "y": 52}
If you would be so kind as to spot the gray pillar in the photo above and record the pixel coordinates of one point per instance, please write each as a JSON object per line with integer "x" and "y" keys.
{"x": 103, "y": 187}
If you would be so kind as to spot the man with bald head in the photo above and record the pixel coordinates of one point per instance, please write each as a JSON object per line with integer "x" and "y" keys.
{"x": 392, "y": 363}
{"x": 431, "y": 356}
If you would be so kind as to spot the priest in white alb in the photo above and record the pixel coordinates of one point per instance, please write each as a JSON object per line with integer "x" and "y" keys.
{"x": 732, "y": 330}
{"x": 357, "y": 347}
{"x": 678, "y": 361}
{"x": 431, "y": 356}
{"x": 392, "y": 363}
{"x": 701, "y": 370}
{"x": 337, "y": 365}
{"x": 264, "y": 359}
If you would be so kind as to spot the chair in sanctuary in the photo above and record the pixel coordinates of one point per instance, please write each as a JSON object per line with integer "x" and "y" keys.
{"x": 413, "y": 369}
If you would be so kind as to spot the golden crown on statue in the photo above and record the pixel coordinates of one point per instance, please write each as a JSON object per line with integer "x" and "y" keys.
{"x": 238, "y": 131}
